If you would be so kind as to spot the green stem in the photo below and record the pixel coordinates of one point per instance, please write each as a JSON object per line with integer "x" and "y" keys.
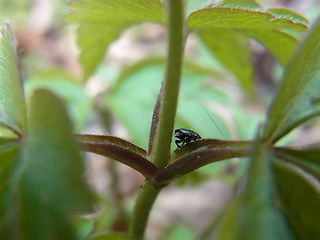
{"x": 141, "y": 212}
{"x": 161, "y": 145}
{"x": 162, "y": 141}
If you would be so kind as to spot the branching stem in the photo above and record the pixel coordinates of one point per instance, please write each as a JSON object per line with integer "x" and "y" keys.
{"x": 160, "y": 153}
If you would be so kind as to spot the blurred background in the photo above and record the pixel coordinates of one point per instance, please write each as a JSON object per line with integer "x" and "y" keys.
{"x": 119, "y": 100}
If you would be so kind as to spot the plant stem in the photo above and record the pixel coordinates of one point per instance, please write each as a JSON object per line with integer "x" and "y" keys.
{"x": 161, "y": 145}
{"x": 141, "y": 212}
{"x": 160, "y": 153}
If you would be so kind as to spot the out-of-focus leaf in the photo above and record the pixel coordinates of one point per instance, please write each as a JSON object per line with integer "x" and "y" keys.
{"x": 261, "y": 220}
{"x": 257, "y": 217}
{"x": 275, "y": 41}
{"x": 47, "y": 184}
{"x": 296, "y": 100}
{"x": 307, "y": 159}
{"x": 193, "y": 178}
{"x": 312, "y": 154}
{"x": 220, "y": 26}
{"x": 67, "y": 88}
{"x": 110, "y": 236}
{"x": 229, "y": 228}
{"x": 102, "y": 21}
{"x": 83, "y": 227}
{"x": 12, "y": 103}
{"x": 176, "y": 231}
{"x": 232, "y": 49}
{"x": 106, "y": 218}
{"x": 300, "y": 196}
{"x": 7, "y": 143}
{"x": 8, "y": 157}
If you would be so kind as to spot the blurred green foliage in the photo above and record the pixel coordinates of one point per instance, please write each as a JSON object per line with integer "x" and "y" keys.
{"x": 41, "y": 169}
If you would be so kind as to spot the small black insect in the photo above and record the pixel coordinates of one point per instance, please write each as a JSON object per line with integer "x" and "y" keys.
{"x": 185, "y": 136}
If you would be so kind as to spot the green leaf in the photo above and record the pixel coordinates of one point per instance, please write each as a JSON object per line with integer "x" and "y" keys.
{"x": 72, "y": 92}
{"x": 176, "y": 231}
{"x": 307, "y": 159}
{"x": 102, "y": 21}
{"x": 7, "y": 143}
{"x": 256, "y": 215}
{"x": 280, "y": 44}
{"x": 12, "y": 102}
{"x": 8, "y": 157}
{"x": 232, "y": 49}
{"x": 83, "y": 226}
{"x": 242, "y": 19}
{"x": 243, "y": 4}
{"x": 110, "y": 236}
{"x": 309, "y": 154}
{"x": 288, "y": 14}
{"x": 300, "y": 196}
{"x": 261, "y": 220}
{"x": 47, "y": 184}
{"x": 220, "y": 27}
{"x": 229, "y": 228}
{"x": 296, "y": 100}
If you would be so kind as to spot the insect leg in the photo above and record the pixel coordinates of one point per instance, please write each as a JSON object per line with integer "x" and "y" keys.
{"x": 177, "y": 143}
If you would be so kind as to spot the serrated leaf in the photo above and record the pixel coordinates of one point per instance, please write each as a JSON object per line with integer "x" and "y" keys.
{"x": 47, "y": 185}
{"x": 240, "y": 19}
{"x": 300, "y": 196}
{"x": 288, "y": 14}
{"x": 102, "y": 21}
{"x": 232, "y": 49}
{"x": 244, "y": 4}
{"x": 270, "y": 28}
{"x": 94, "y": 39}
{"x": 12, "y": 102}
{"x": 296, "y": 100}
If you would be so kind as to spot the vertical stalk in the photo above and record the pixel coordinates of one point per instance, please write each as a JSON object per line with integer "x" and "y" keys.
{"x": 141, "y": 212}
{"x": 162, "y": 141}
{"x": 161, "y": 145}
